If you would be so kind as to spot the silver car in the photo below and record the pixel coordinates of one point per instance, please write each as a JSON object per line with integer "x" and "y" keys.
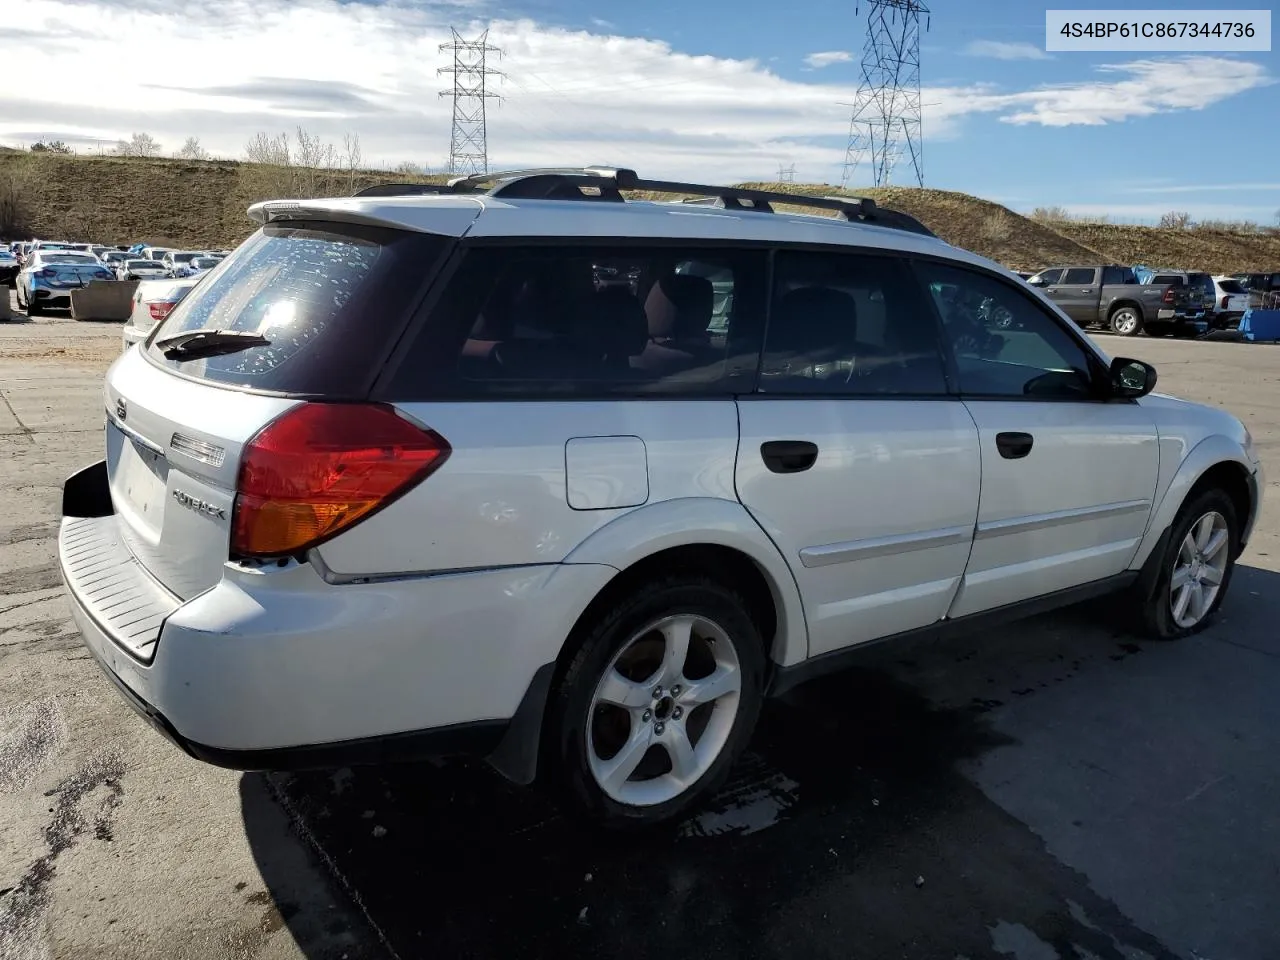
{"x": 482, "y": 472}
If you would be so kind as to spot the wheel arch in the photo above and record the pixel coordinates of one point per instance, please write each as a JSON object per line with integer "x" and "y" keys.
{"x": 697, "y": 534}
{"x": 703, "y": 534}
{"x": 1216, "y": 461}
{"x": 1120, "y": 304}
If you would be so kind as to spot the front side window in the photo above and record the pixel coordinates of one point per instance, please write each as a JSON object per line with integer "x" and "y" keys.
{"x": 1004, "y": 343}
{"x": 1078, "y": 276}
{"x": 1047, "y": 278}
{"x": 849, "y": 324}
{"x": 591, "y": 320}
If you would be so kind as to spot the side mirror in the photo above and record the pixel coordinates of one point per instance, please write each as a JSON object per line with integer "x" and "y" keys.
{"x": 1036, "y": 282}
{"x": 1132, "y": 378}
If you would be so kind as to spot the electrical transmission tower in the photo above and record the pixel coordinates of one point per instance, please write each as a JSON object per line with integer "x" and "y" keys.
{"x": 468, "y": 145}
{"x": 885, "y": 125}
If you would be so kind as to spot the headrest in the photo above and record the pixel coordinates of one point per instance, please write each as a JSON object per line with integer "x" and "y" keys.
{"x": 812, "y": 318}
{"x": 612, "y": 324}
{"x": 679, "y": 307}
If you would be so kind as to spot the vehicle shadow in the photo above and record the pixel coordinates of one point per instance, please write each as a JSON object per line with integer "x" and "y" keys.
{"x": 855, "y": 826}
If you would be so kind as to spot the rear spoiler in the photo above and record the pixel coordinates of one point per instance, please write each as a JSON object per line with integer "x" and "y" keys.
{"x": 453, "y": 219}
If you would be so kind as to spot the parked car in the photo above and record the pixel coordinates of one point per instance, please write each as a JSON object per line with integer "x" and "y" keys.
{"x": 9, "y": 267}
{"x": 154, "y": 253}
{"x": 1198, "y": 285}
{"x": 1110, "y": 295}
{"x": 575, "y": 530}
{"x": 114, "y": 258}
{"x": 175, "y": 261}
{"x": 141, "y": 269}
{"x": 1264, "y": 289}
{"x": 198, "y": 265}
{"x": 49, "y": 276}
{"x": 152, "y": 302}
{"x": 1231, "y": 300}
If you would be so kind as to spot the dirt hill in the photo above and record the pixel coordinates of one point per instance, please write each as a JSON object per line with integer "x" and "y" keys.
{"x": 202, "y": 203}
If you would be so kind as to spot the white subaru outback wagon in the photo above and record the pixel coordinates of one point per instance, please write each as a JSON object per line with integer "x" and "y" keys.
{"x": 523, "y": 468}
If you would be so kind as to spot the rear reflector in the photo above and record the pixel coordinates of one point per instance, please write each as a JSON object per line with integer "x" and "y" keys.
{"x": 321, "y": 468}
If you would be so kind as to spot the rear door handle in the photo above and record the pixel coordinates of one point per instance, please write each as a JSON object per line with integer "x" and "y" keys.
{"x": 789, "y": 456}
{"x": 1014, "y": 446}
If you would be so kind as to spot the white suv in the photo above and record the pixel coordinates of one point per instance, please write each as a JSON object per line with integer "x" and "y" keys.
{"x": 482, "y": 471}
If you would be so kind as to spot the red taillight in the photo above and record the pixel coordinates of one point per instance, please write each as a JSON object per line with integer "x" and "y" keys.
{"x": 322, "y": 467}
{"x": 1168, "y": 295}
{"x": 1225, "y": 298}
{"x": 159, "y": 309}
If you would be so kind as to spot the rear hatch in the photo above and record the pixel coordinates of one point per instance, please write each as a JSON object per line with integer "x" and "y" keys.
{"x": 319, "y": 306}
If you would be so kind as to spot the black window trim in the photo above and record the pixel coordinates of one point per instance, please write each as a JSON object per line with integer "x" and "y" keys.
{"x": 1098, "y": 369}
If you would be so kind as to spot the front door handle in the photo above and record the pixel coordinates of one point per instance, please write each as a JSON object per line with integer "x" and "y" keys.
{"x": 789, "y": 456}
{"x": 1014, "y": 446}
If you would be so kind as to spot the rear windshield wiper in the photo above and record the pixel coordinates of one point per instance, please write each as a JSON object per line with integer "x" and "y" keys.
{"x": 206, "y": 343}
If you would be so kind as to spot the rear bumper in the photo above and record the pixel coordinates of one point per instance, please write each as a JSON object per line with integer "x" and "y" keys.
{"x": 278, "y": 668}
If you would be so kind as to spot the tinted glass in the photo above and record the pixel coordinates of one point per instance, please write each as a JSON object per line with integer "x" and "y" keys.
{"x": 1049, "y": 277}
{"x": 327, "y": 297}
{"x": 1231, "y": 286}
{"x": 845, "y": 324}
{"x": 582, "y": 321}
{"x": 1005, "y": 344}
{"x": 1167, "y": 278}
{"x": 1079, "y": 276}
{"x": 1118, "y": 275}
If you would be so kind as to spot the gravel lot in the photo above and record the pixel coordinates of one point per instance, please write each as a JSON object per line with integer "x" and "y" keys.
{"x": 1053, "y": 789}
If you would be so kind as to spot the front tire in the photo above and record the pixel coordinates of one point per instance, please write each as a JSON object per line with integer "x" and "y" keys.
{"x": 33, "y": 307}
{"x": 1195, "y": 568}
{"x": 1125, "y": 322}
{"x": 657, "y": 703}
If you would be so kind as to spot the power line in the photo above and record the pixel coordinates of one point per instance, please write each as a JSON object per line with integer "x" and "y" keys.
{"x": 468, "y": 143}
{"x": 885, "y": 124}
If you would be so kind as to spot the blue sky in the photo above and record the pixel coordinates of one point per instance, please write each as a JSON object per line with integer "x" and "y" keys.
{"x": 723, "y": 89}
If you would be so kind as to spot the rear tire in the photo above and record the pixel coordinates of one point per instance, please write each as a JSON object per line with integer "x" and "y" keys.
{"x": 33, "y": 308}
{"x": 1194, "y": 568}
{"x": 638, "y": 734}
{"x": 1125, "y": 322}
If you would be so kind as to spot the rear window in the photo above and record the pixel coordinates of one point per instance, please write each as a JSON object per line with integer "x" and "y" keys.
{"x": 1231, "y": 286}
{"x": 329, "y": 298}
{"x": 1167, "y": 278}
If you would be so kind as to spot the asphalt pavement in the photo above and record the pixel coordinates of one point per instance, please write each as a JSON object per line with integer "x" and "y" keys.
{"x": 1053, "y": 789}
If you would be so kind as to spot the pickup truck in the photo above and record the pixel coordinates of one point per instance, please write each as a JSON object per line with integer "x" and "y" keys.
{"x": 1110, "y": 296}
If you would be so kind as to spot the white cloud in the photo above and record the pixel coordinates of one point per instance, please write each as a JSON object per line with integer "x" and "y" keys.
{"x": 827, "y": 57}
{"x": 1004, "y": 50}
{"x": 228, "y": 70}
{"x": 1209, "y": 187}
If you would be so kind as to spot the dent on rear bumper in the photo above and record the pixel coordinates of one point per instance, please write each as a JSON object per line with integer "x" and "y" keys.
{"x": 278, "y": 658}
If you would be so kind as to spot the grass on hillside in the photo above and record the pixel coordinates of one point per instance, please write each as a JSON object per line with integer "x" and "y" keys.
{"x": 202, "y": 204}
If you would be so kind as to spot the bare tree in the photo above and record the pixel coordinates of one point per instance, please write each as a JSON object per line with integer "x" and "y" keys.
{"x": 265, "y": 149}
{"x": 1177, "y": 220}
{"x": 351, "y": 157}
{"x": 139, "y": 145}
{"x": 407, "y": 166}
{"x": 1051, "y": 214}
{"x": 192, "y": 150}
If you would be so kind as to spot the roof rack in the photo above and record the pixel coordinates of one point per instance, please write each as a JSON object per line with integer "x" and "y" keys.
{"x": 607, "y": 184}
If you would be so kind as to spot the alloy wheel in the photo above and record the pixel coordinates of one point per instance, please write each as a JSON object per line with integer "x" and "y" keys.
{"x": 663, "y": 710}
{"x": 1199, "y": 569}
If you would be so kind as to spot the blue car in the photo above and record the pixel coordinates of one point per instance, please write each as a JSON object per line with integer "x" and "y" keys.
{"x": 49, "y": 276}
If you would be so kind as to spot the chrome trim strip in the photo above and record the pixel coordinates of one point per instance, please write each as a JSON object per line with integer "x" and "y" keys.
{"x": 1043, "y": 521}
{"x": 882, "y": 546}
{"x": 135, "y": 436}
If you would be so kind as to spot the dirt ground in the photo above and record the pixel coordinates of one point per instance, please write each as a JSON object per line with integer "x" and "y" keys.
{"x": 1054, "y": 789}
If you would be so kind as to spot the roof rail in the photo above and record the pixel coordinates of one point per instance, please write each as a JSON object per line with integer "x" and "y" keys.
{"x": 608, "y": 183}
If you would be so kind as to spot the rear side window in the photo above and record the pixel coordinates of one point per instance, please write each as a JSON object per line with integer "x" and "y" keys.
{"x": 587, "y": 321}
{"x": 330, "y": 299}
{"x": 1118, "y": 275}
{"x": 1078, "y": 276}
